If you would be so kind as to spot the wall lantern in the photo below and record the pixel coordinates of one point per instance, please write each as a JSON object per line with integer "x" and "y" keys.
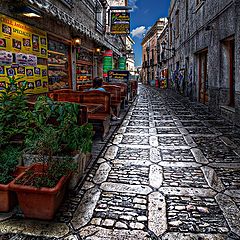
{"x": 98, "y": 50}
{"x": 167, "y": 49}
{"x": 77, "y": 41}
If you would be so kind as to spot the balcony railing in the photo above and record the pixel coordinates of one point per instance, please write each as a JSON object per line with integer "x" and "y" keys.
{"x": 68, "y": 3}
{"x": 151, "y": 62}
{"x": 99, "y": 27}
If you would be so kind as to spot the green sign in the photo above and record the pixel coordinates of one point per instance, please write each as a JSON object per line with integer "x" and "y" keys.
{"x": 122, "y": 63}
{"x": 107, "y": 62}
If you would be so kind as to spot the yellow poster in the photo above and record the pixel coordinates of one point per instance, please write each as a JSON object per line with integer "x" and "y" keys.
{"x": 20, "y": 48}
{"x": 36, "y": 77}
{"x": 19, "y": 37}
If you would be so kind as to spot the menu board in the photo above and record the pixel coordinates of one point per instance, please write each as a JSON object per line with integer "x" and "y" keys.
{"x": 20, "y": 47}
{"x": 120, "y": 23}
{"x": 118, "y": 76}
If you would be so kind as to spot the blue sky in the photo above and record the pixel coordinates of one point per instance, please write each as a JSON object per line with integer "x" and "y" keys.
{"x": 145, "y": 14}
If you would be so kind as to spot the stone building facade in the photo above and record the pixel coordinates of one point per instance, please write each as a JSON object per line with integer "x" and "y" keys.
{"x": 149, "y": 52}
{"x": 205, "y": 42}
{"x": 163, "y": 55}
{"x": 66, "y": 21}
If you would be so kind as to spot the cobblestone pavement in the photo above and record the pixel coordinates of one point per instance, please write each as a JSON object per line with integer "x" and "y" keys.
{"x": 171, "y": 171}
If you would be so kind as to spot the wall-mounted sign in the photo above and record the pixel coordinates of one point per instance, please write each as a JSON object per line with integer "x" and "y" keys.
{"x": 107, "y": 62}
{"x": 122, "y": 63}
{"x": 120, "y": 23}
{"x": 118, "y": 76}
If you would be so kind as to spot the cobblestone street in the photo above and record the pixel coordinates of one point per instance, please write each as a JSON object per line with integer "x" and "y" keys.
{"x": 171, "y": 171}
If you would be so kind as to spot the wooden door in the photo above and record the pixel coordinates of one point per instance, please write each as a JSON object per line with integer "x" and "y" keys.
{"x": 203, "y": 77}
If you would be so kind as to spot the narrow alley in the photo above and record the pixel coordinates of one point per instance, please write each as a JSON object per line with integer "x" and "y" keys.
{"x": 171, "y": 171}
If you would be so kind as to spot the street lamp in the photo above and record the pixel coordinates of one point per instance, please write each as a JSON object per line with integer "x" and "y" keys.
{"x": 168, "y": 49}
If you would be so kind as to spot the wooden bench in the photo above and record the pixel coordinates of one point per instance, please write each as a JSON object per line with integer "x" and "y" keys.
{"x": 124, "y": 91}
{"x": 61, "y": 97}
{"x": 134, "y": 88}
{"x": 99, "y": 118}
{"x": 84, "y": 87}
{"x": 115, "y": 92}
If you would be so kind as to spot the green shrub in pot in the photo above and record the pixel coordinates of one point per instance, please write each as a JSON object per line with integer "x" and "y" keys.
{"x": 13, "y": 110}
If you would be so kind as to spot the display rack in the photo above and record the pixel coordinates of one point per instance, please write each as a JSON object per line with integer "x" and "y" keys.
{"x": 58, "y": 67}
{"x": 84, "y": 66}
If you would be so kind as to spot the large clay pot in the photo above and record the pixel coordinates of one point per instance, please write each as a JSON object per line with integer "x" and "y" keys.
{"x": 8, "y": 199}
{"x": 40, "y": 203}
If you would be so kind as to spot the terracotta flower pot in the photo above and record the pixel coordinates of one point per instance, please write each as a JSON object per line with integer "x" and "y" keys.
{"x": 40, "y": 203}
{"x": 8, "y": 199}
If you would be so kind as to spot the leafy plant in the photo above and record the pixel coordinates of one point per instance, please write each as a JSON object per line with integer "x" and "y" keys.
{"x": 63, "y": 118}
{"x": 56, "y": 129}
{"x": 13, "y": 109}
{"x": 8, "y": 162}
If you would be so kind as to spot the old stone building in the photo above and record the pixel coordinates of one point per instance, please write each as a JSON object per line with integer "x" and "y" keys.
{"x": 74, "y": 41}
{"x": 149, "y": 52}
{"x": 163, "y": 55}
{"x": 204, "y": 64}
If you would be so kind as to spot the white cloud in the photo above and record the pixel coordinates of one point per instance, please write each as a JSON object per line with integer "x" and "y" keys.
{"x": 133, "y": 4}
{"x": 139, "y": 31}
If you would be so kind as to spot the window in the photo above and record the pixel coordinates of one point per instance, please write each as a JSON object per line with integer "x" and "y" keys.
{"x": 177, "y": 23}
{"x": 99, "y": 17}
{"x": 170, "y": 34}
{"x": 186, "y": 8}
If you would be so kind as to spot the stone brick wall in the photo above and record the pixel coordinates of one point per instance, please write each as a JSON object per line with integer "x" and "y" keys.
{"x": 207, "y": 27}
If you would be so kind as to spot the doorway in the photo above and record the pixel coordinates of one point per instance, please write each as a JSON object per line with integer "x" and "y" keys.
{"x": 203, "y": 77}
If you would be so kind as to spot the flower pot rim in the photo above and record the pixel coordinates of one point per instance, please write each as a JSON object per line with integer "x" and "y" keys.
{"x": 25, "y": 188}
{"x": 6, "y": 187}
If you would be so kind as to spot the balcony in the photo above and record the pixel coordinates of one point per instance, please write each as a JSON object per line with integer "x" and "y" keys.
{"x": 68, "y": 3}
{"x": 151, "y": 62}
{"x": 99, "y": 27}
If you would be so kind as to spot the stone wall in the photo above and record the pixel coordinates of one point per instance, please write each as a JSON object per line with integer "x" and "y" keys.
{"x": 207, "y": 27}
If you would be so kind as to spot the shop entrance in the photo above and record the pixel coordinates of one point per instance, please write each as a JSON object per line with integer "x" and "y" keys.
{"x": 203, "y": 77}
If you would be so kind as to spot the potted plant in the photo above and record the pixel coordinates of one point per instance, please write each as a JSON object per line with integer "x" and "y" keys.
{"x": 9, "y": 158}
{"x": 75, "y": 140}
{"x": 13, "y": 111}
{"x": 41, "y": 189}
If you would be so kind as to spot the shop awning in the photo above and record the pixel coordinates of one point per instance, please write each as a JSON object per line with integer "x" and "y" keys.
{"x": 50, "y": 8}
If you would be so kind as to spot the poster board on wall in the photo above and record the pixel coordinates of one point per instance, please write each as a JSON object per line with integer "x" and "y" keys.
{"x": 20, "y": 47}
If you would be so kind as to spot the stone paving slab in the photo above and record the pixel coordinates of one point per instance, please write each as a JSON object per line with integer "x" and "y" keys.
{"x": 34, "y": 228}
{"x": 97, "y": 233}
{"x": 192, "y": 236}
{"x": 170, "y": 171}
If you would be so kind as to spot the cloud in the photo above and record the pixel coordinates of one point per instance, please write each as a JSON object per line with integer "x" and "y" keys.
{"x": 133, "y": 4}
{"x": 139, "y": 31}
